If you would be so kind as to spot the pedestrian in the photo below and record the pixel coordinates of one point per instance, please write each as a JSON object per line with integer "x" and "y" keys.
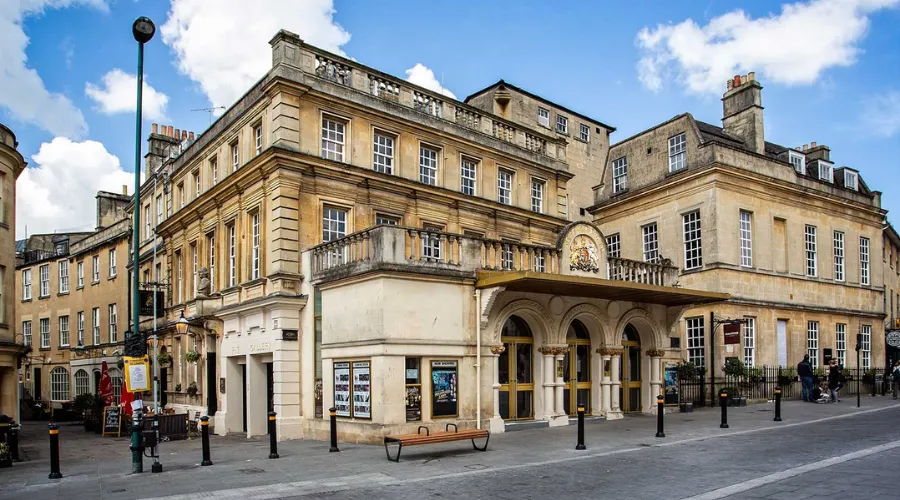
{"x": 895, "y": 379}
{"x": 805, "y": 372}
{"x": 834, "y": 380}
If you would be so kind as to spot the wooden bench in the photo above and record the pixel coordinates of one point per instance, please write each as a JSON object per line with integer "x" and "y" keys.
{"x": 436, "y": 437}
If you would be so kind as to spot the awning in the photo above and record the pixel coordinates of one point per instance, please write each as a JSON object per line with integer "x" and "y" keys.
{"x": 580, "y": 286}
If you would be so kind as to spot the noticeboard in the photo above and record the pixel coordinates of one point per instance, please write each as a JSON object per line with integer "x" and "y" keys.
{"x": 112, "y": 421}
{"x": 342, "y": 389}
{"x": 443, "y": 389}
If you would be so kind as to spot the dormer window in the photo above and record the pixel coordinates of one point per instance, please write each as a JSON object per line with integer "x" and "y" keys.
{"x": 798, "y": 160}
{"x": 826, "y": 171}
{"x": 851, "y": 180}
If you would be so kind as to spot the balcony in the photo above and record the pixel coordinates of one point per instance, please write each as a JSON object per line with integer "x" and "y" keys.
{"x": 420, "y": 251}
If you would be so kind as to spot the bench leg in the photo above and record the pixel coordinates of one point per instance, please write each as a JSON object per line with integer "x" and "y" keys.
{"x": 483, "y": 448}
{"x": 388, "y": 453}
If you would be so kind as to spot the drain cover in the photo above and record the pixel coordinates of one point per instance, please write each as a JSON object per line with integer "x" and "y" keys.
{"x": 252, "y": 470}
{"x": 476, "y": 466}
{"x": 120, "y": 490}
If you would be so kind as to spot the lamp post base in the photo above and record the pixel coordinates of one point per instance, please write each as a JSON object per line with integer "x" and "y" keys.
{"x": 156, "y": 468}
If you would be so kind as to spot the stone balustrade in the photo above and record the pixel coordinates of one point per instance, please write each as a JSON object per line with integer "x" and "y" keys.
{"x": 334, "y": 71}
{"x": 468, "y": 118}
{"x": 384, "y": 88}
{"x": 641, "y": 272}
{"x": 504, "y": 132}
{"x": 428, "y": 104}
{"x": 535, "y": 143}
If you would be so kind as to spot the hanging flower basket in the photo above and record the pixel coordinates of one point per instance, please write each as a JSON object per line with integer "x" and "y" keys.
{"x": 164, "y": 359}
{"x": 192, "y": 356}
{"x": 192, "y": 389}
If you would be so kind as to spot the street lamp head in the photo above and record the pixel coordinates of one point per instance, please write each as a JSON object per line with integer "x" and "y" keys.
{"x": 182, "y": 325}
{"x": 143, "y": 29}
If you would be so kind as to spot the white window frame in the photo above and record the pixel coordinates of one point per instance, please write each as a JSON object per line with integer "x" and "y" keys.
{"x": 798, "y": 160}
{"x": 44, "y": 324}
{"x": 812, "y": 343}
{"x": 159, "y": 210}
{"x": 232, "y": 256}
{"x": 851, "y": 180}
{"x": 678, "y": 152}
{"x": 59, "y": 384}
{"x": 749, "y": 335}
{"x": 562, "y": 124}
{"x": 235, "y": 156}
{"x": 112, "y": 263}
{"x": 26, "y": 332}
{"x": 504, "y": 186}
{"x": 696, "y": 341}
{"x": 746, "y": 238}
{"x": 257, "y": 135}
{"x": 26, "y": 284}
{"x": 839, "y": 264}
{"x": 864, "y": 269}
{"x": 95, "y": 325}
{"x": 214, "y": 168}
{"x": 44, "y": 274}
{"x": 386, "y": 220}
{"x": 334, "y": 137}
{"x": 148, "y": 223}
{"x": 113, "y": 313}
{"x": 80, "y": 325}
{"x": 211, "y": 243}
{"x": 506, "y": 256}
{"x": 826, "y": 171}
{"x": 197, "y": 184}
{"x": 468, "y": 176}
{"x": 812, "y": 254}
{"x": 840, "y": 343}
{"x": 179, "y": 273}
{"x": 432, "y": 243}
{"x": 584, "y": 133}
{"x": 82, "y": 382}
{"x": 866, "y": 347}
{"x": 693, "y": 240}
{"x": 64, "y": 331}
{"x": 63, "y": 276}
{"x": 429, "y": 162}
{"x": 537, "y": 195}
{"x": 254, "y": 254}
{"x": 181, "y": 194}
{"x": 539, "y": 264}
{"x": 543, "y": 117}
{"x": 383, "y": 147}
{"x": 80, "y": 268}
{"x": 335, "y": 225}
{"x": 650, "y": 242}
{"x": 620, "y": 174}
{"x": 95, "y": 268}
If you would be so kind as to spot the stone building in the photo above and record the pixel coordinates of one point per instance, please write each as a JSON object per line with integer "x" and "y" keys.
{"x": 890, "y": 256}
{"x": 72, "y": 305}
{"x": 402, "y": 256}
{"x": 790, "y": 236}
{"x": 11, "y": 349}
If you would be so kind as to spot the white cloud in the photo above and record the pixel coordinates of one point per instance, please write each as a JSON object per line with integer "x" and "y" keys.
{"x": 224, "y": 46}
{"x": 58, "y": 193}
{"x": 793, "y": 47}
{"x": 116, "y": 95}
{"x": 422, "y": 76}
{"x": 22, "y": 91}
{"x": 881, "y": 114}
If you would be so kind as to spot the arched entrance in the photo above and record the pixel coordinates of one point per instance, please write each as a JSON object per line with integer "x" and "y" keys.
{"x": 630, "y": 390}
{"x": 577, "y": 369}
{"x": 516, "y": 370}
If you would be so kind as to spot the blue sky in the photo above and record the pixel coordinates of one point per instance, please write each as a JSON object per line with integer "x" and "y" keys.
{"x": 830, "y": 68}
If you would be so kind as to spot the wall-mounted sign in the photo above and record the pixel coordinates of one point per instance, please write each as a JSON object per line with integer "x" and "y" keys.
{"x": 146, "y": 298}
{"x": 289, "y": 335}
{"x": 361, "y": 390}
{"x": 892, "y": 339}
{"x": 342, "y": 389}
{"x": 444, "y": 389}
{"x": 732, "y": 333}
{"x": 413, "y": 403}
{"x": 221, "y": 385}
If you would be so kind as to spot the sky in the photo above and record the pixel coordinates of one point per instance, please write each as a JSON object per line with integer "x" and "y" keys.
{"x": 830, "y": 71}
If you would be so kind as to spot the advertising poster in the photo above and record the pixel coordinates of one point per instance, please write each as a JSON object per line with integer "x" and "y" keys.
{"x": 361, "y": 390}
{"x": 413, "y": 403}
{"x": 671, "y": 383}
{"x": 342, "y": 389}
{"x": 443, "y": 388}
{"x": 137, "y": 374}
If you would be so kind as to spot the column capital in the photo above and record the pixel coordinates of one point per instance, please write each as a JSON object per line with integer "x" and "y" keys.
{"x": 656, "y": 353}
{"x": 610, "y": 351}
{"x": 498, "y": 349}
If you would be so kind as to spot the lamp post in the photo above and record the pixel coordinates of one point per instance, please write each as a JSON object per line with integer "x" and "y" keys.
{"x": 182, "y": 325}
{"x": 143, "y": 30}
{"x": 712, "y": 343}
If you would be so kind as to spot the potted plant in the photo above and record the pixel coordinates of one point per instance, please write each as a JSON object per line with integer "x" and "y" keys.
{"x": 163, "y": 359}
{"x": 177, "y": 387}
{"x": 192, "y": 389}
{"x": 192, "y": 356}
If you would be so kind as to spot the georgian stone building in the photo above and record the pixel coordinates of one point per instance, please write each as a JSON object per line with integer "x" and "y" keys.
{"x": 890, "y": 256}
{"x": 400, "y": 256}
{"x": 11, "y": 349}
{"x": 791, "y": 237}
{"x": 72, "y": 305}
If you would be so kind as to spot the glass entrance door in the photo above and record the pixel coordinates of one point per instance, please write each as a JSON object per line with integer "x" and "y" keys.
{"x": 516, "y": 371}
{"x": 630, "y": 391}
{"x": 577, "y": 369}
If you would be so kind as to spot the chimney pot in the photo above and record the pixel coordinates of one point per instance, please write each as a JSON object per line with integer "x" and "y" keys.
{"x": 125, "y": 188}
{"x": 812, "y": 144}
{"x": 805, "y": 148}
{"x": 184, "y": 135}
{"x": 737, "y": 81}
{"x": 743, "y": 79}
{"x": 154, "y": 128}
{"x": 169, "y": 131}
{"x": 751, "y": 76}
{"x": 177, "y": 133}
{"x": 729, "y": 84}
{"x": 191, "y": 136}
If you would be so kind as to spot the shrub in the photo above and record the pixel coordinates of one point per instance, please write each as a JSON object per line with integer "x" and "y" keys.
{"x": 686, "y": 370}
{"x": 734, "y": 367}
{"x": 192, "y": 356}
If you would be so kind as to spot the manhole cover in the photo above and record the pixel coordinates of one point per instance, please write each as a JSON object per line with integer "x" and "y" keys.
{"x": 252, "y": 470}
{"x": 120, "y": 490}
{"x": 476, "y": 466}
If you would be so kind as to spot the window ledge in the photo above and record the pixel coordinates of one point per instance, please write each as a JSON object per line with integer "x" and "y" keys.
{"x": 253, "y": 282}
{"x": 43, "y": 348}
{"x": 676, "y": 172}
{"x": 4, "y": 325}
{"x": 96, "y": 282}
{"x": 79, "y": 287}
{"x": 60, "y": 294}
{"x": 4, "y": 225}
{"x": 26, "y": 300}
{"x": 114, "y": 276}
{"x": 42, "y": 297}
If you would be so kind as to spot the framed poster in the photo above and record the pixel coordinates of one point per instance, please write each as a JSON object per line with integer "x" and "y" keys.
{"x": 361, "y": 390}
{"x": 413, "y": 403}
{"x": 671, "y": 383}
{"x": 342, "y": 389}
{"x": 444, "y": 389}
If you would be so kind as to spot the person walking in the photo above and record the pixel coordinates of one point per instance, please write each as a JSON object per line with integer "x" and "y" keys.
{"x": 805, "y": 372}
{"x": 895, "y": 379}
{"x": 834, "y": 380}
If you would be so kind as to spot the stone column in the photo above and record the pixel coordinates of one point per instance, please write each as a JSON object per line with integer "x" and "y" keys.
{"x": 559, "y": 356}
{"x": 257, "y": 413}
{"x": 549, "y": 383}
{"x": 655, "y": 378}
{"x": 605, "y": 381}
{"x": 615, "y": 411}
{"x": 496, "y": 422}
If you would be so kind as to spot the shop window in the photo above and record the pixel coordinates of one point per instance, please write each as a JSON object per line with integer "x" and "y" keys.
{"x": 352, "y": 389}
{"x": 413, "y": 390}
{"x": 444, "y": 389}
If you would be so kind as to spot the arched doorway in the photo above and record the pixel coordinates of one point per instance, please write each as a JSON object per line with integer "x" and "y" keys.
{"x": 516, "y": 370}
{"x": 577, "y": 369}
{"x": 630, "y": 390}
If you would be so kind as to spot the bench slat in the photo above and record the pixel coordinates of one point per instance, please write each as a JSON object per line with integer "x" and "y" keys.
{"x": 437, "y": 437}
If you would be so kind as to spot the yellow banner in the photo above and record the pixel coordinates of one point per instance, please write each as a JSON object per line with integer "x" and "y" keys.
{"x": 137, "y": 374}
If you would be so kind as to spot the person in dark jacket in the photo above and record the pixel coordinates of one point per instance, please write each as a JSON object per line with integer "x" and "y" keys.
{"x": 834, "y": 380}
{"x": 805, "y": 372}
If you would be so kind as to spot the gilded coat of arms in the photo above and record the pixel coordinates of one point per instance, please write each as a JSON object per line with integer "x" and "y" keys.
{"x": 583, "y": 255}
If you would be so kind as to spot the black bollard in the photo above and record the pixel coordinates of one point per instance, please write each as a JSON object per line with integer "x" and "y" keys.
{"x": 54, "y": 452}
{"x": 660, "y": 414}
{"x": 334, "y": 446}
{"x": 580, "y": 445}
{"x": 778, "y": 404}
{"x": 204, "y": 438}
{"x": 273, "y": 439}
{"x": 14, "y": 442}
{"x": 723, "y": 399}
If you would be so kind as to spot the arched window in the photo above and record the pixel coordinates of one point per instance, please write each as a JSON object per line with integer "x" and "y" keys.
{"x": 116, "y": 376}
{"x": 59, "y": 384}
{"x": 630, "y": 334}
{"x": 515, "y": 327}
{"x": 82, "y": 383}
{"x": 577, "y": 331}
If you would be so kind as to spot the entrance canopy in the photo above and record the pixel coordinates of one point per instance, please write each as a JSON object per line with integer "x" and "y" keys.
{"x": 583, "y": 286}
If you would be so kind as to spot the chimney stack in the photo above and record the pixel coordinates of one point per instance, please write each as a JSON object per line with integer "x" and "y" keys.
{"x": 742, "y": 111}
{"x": 805, "y": 148}
{"x": 812, "y": 144}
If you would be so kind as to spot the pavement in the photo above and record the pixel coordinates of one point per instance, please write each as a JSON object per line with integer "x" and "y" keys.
{"x": 816, "y": 451}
